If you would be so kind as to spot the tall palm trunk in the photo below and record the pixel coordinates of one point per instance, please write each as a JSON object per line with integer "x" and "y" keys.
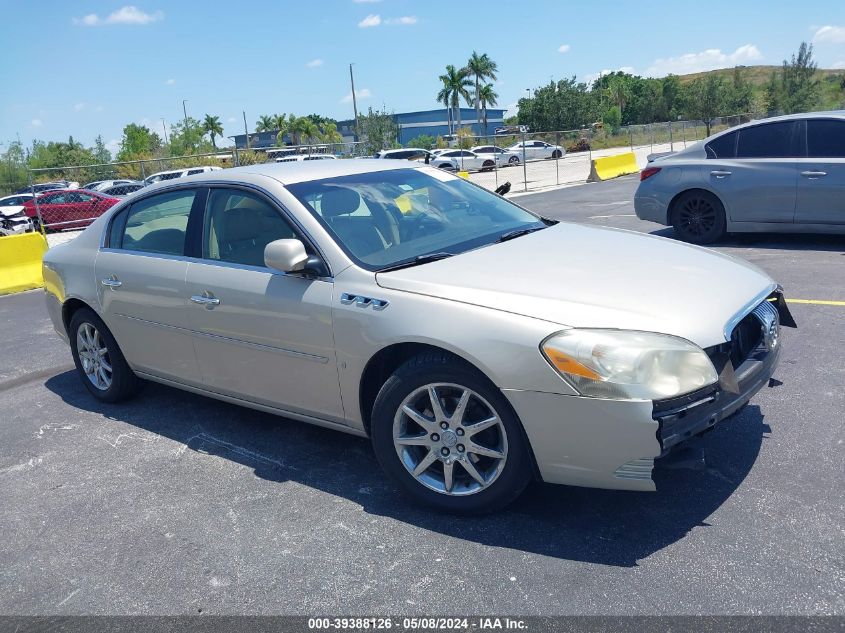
{"x": 477, "y": 91}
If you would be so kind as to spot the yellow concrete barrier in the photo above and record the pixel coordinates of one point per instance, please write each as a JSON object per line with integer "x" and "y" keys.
{"x": 464, "y": 175}
{"x": 612, "y": 166}
{"x": 20, "y": 262}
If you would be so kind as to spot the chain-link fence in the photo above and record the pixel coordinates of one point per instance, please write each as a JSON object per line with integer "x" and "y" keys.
{"x": 71, "y": 197}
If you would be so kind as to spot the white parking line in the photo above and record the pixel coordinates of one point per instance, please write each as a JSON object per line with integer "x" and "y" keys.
{"x": 615, "y": 215}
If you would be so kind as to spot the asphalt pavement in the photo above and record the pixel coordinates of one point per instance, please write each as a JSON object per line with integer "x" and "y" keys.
{"x": 178, "y": 504}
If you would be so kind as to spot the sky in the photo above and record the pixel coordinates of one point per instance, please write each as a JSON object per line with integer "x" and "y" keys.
{"x": 89, "y": 67}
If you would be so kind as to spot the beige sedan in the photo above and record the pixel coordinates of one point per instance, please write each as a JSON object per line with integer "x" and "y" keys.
{"x": 478, "y": 345}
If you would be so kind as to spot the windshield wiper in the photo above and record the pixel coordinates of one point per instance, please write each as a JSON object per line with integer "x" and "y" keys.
{"x": 416, "y": 261}
{"x": 504, "y": 237}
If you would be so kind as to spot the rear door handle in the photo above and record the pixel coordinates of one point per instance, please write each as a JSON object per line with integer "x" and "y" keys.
{"x": 206, "y": 299}
{"x": 813, "y": 174}
{"x": 111, "y": 282}
{"x": 720, "y": 173}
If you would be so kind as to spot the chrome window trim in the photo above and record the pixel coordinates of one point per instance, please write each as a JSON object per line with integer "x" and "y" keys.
{"x": 747, "y": 309}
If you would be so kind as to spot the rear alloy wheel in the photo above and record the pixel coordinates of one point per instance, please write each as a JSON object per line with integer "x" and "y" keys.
{"x": 104, "y": 370}
{"x": 513, "y": 160}
{"x": 449, "y": 437}
{"x": 699, "y": 217}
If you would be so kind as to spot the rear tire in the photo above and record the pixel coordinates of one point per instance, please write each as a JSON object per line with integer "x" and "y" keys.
{"x": 98, "y": 359}
{"x": 513, "y": 161}
{"x": 459, "y": 468}
{"x": 698, "y": 217}
{"x": 556, "y": 154}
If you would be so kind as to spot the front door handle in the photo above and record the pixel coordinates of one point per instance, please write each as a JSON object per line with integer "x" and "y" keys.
{"x": 720, "y": 173}
{"x": 206, "y": 299}
{"x": 813, "y": 174}
{"x": 111, "y": 282}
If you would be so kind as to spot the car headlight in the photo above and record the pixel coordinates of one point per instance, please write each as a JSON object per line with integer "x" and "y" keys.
{"x": 628, "y": 365}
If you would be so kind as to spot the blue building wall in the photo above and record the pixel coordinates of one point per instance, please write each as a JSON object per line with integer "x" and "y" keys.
{"x": 411, "y": 125}
{"x": 435, "y": 123}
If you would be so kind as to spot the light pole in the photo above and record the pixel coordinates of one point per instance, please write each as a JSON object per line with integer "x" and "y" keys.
{"x": 246, "y": 129}
{"x": 185, "y": 112}
{"x": 164, "y": 129}
{"x": 354, "y": 102}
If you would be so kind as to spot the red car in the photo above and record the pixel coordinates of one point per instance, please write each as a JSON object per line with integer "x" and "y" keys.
{"x": 69, "y": 208}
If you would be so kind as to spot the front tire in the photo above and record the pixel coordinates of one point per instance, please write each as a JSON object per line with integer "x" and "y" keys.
{"x": 444, "y": 433}
{"x": 556, "y": 154}
{"x": 98, "y": 359}
{"x": 698, "y": 217}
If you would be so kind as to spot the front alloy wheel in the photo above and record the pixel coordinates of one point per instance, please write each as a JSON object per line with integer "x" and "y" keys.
{"x": 450, "y": 439}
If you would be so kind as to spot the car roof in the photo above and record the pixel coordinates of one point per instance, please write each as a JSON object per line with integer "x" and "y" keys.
{"x": 828, "y": 114}
{"x": 291, "y": 172}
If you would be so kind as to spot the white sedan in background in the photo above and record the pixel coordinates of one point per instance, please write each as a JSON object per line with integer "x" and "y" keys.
{"x": 463, "y": 160}
{"x": 503, "y": 157}
{"x": 538, "y": 149}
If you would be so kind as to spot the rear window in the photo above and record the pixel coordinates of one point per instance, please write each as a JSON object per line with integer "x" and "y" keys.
{"x": 722, "y": 147}
{"x": 826, "y": 138}
{"x": 771, "y": 140}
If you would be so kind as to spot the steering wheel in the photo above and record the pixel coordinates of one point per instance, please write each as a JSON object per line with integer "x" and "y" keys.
{"x": 418, "y": 223}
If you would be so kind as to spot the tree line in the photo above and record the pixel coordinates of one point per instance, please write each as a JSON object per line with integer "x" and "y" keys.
{"x": 619, "y": 98}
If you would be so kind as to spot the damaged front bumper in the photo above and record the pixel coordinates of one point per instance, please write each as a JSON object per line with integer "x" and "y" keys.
{"x": 615, "y": 444}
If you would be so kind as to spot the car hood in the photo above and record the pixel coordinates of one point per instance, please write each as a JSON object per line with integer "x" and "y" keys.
{"x": 582, "y": 276}
{"x": 11, "y": 210}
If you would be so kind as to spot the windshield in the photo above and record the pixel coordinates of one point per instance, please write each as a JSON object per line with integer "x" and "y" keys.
{"x": 386, "y": 217}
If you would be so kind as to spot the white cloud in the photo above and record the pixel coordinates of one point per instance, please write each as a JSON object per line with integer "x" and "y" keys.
{"x": 79, "y": 107}
{"x": 231, "y": 119}
{"x": 113, "y": 145}
{"x": 314, "y": 63}
{"x": 512, "y": 108}
{"x": 839, "y": 64}
{"x": 129, "y": 14}
{"x": 99, "y": 108}
{"x": 563, "y": 48}
{"x": 710, "y": 59}
{"x": 363, "y": 93}
{"x": 37, "y": 122}
{"x": 371, "y": 20}
{"x": 169, "y": 82}
{"x": 405, "y": 20}
{"x": 830, "y": 35}
{"x": 365, "y": 1}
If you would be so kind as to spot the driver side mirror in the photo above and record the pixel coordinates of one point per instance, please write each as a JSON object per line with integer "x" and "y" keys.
{"x": 289, "y": 256}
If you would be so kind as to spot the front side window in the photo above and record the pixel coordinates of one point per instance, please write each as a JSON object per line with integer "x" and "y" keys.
{"x": 238, "y": 225}
{"x": 390, "y": 217}
{"x": 825, "y": 138}
{"x": 158, "y": 224}
{"x": 770, "y": 140}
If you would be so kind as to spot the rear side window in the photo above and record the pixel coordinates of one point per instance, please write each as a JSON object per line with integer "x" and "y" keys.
{"x": 191, "y": 172}
{"x": 825, "y": 138}
{"x": 158, "y": 224}
{"x": 722, "y": 147}
{"x": 771, "y": 140}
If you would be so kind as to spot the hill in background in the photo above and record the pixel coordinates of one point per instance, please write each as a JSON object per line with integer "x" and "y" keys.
{"x": 831, "y": 80}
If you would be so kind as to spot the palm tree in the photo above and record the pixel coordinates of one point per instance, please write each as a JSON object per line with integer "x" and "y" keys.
{"x": 481, "y": 67}
{"x": 281, "y": 127}
{"x": 456, "y": 82}
{"x": 330, "y": 133}
{"x": 264, "y": 123}
{"x": 618, "y": 92}
{"x": 487, "y": 97}
{"x": 212, "y": 126}
{"x": 443, "y": 97}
